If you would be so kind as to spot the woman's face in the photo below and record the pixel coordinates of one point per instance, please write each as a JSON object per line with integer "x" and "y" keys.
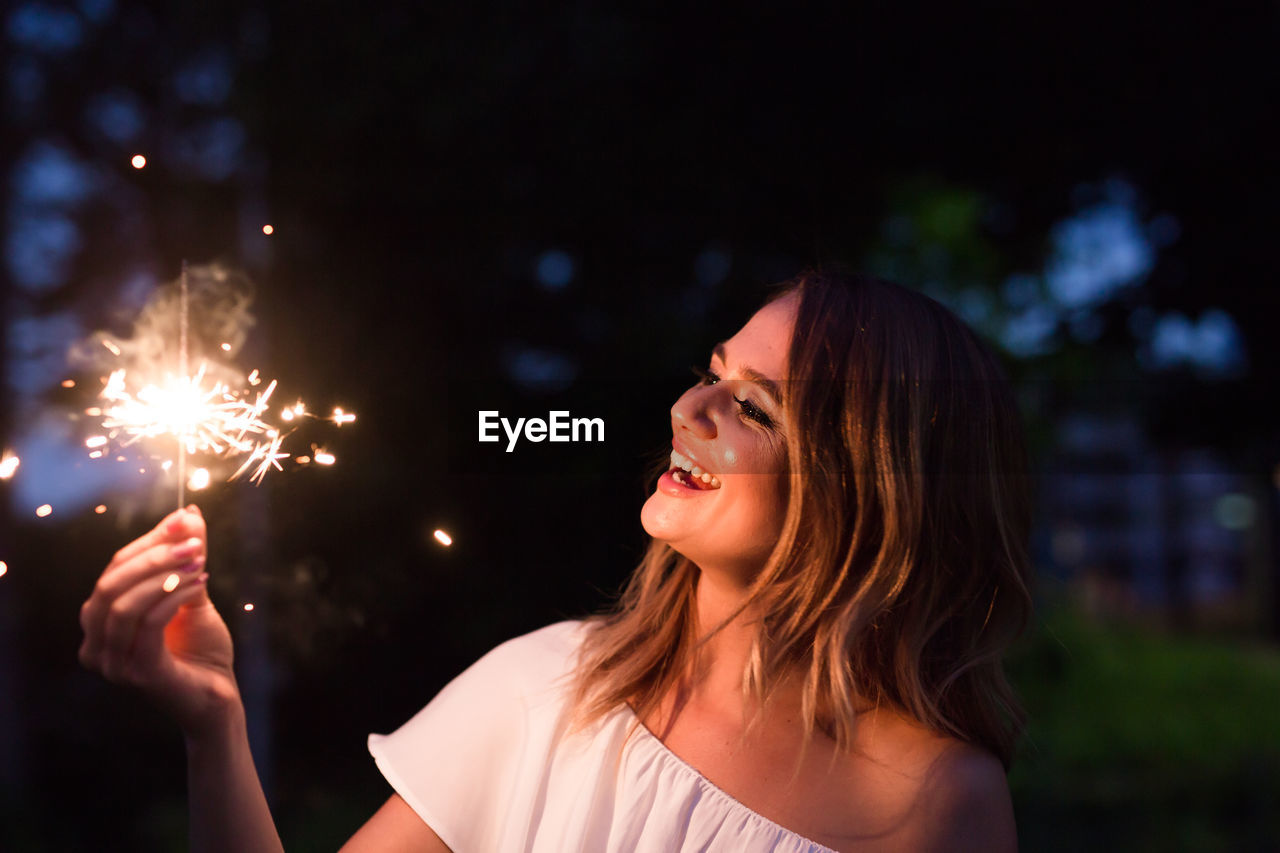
{"x": 730, "y": 429}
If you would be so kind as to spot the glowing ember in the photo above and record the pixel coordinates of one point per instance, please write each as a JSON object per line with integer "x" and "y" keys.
{"x": 138, "y": 161}
{"x": 268, "y": 229}
{"x": 100, "y": 509}
{"x": 443, "y": 538}
{"x": 4, "y": 568}
{"x": 43, "y": 511}
{"x": 8, "y": 465}
{"x": 324, "y": 458}
{"x": 171, "y": 582}
{"x": 205, "y": 417}
{"x": 248, "y": 608}
{"x": 267, "y": 456}
{"x": 68, "y": 383}
{"x": 202, "y": 412}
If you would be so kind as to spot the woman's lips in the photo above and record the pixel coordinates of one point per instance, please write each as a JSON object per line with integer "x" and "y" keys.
{"x": 668, "y": 484}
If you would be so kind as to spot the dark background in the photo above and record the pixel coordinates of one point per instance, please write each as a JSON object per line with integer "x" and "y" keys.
{"x": 524, "y": 209}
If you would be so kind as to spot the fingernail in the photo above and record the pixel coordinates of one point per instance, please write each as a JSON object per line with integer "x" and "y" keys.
{"x": 193, "y": 565}
{"x": 186, "y": 549}
{"x": 195, "y": 509}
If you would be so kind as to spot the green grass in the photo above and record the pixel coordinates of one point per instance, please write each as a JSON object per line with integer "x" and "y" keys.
{"x": 1146, "y": 741}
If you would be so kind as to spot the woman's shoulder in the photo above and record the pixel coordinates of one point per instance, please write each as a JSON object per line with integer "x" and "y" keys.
{"x": 942, "y": 793}
{"x": 533, "y": 659}
{"x": 964, "y": 802}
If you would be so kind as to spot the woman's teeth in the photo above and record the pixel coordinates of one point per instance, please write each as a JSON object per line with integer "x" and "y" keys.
{"x": 686, "y": 466}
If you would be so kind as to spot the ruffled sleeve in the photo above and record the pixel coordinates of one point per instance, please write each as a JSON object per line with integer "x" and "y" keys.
{"x": 459, "y": 761}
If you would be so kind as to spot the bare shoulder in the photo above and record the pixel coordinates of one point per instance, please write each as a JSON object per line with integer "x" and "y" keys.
{"x": 963, "y": 802}
{"x": 910, "y": 788}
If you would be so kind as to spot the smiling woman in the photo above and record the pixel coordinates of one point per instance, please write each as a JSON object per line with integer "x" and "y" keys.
{"x": 808, "y": 657}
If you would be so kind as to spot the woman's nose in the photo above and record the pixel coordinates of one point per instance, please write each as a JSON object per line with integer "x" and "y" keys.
{"x": 694, "y": 411}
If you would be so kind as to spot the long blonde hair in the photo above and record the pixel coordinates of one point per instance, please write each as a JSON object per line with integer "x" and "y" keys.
{"x": 901, "y": 574}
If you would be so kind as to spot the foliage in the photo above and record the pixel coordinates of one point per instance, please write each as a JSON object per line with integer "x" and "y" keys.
{"x": 1145, "y": 741}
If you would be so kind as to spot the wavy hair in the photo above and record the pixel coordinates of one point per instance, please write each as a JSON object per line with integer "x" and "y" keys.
{"x": 901, "y": 574}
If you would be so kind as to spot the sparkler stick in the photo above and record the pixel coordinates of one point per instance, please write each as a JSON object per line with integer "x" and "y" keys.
{"x": 182, "y": 371}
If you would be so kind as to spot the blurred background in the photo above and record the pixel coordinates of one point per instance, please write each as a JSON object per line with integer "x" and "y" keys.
{"x": 489, "y": 206}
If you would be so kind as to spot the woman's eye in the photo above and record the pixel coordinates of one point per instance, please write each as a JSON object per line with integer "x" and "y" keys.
{"x": 705, "y": 377}
{"x": 750, "y": 409}
{"x": 754, "y": 412}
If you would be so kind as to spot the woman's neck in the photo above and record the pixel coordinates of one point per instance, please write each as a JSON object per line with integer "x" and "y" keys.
{"x": 723, "y": 656}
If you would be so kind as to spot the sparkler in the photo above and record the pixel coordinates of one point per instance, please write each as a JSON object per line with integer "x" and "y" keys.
{"x": 200, "y": 414}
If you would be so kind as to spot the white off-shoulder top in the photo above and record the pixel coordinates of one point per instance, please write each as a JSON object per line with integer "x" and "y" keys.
{"x": 490, "y": 766}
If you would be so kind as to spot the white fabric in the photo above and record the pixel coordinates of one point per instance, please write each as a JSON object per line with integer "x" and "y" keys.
{"x": 488, "y": 765}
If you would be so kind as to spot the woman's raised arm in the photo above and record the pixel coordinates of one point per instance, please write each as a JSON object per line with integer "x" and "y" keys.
{"x": 149, "y": 623}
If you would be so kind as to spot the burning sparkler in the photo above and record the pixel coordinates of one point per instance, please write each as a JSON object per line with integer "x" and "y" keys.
{"x": 202, "y": 415}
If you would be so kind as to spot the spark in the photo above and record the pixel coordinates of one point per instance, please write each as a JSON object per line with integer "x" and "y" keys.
{"x": 267, "y": 456}
{"x": 203, "y": 416}
{"x": 8, "y": 465}
{"x": 443, "y": 538}
{"x": 4, "y": 568}
{"x": 68, "y": 383}
{"x": 100, "y": 509}
{"x": 268, "y": 229}
{"x": 171, "y": 582}
{"x": 340, "y": 417}
{"x": 43, "y": 511}
{"x": 325, "y": 458}
{"x": 201, "y": 412}
{"x": 138, "y": 161}
{"x": 248, "y": 607}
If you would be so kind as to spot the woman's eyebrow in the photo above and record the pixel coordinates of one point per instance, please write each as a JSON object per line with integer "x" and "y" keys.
{"x": 770, "y": 387}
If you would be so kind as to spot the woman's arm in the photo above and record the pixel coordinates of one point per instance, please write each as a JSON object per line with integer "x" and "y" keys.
{"x": 228, "y": 810}
{"x": 149, "y": 623}
{"x": 395, "y": 828}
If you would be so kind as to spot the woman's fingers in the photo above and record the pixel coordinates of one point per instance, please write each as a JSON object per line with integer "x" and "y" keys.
{"x": 146, "y": 567}
{"x": 177, "y": 525}
{"x": 149, "y": 643}
{"x": 156, "y": 565}
{"x": 135, "y": 612}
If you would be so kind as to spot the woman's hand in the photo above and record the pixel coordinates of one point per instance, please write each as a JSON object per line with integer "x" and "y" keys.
{"x": 150, "y": 623}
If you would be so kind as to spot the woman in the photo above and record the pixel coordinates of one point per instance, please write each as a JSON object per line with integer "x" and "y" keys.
{"x": 807, "y": 658}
